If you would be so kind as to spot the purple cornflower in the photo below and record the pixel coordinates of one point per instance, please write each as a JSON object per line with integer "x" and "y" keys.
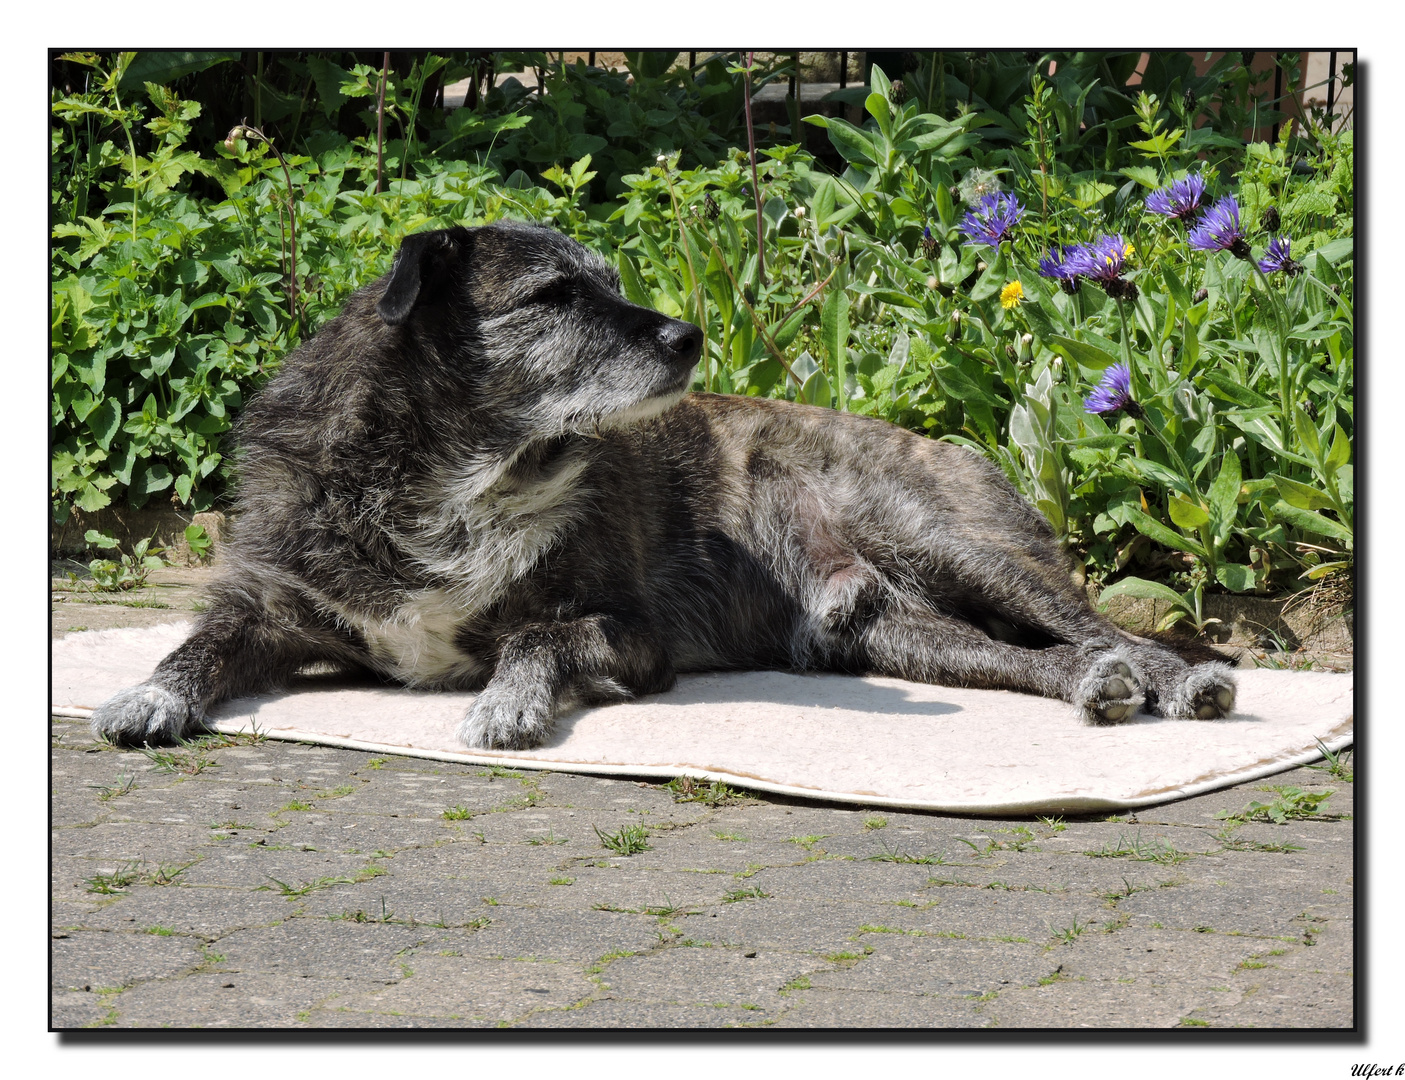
{"x": 1056, "y": 265}
{"x": 1181, "y": 200}
{"x": 1113, "y": 393}
{"x": 1219, "y": 230}
{"x": 1279, "y": 257}
{"x": 992, "y": 219}
{"x": 1104, "y": 261}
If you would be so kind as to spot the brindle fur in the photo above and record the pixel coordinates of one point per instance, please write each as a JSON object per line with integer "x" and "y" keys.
{"x": 484, "y": 474}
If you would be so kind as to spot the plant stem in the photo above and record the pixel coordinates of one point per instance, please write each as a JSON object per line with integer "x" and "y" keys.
{"x": 380, "y": 122}
{"x": 755, "y": 184}
{"x": 1134, "y": 384}
{"x": 756, "y": 320}
{"x": 1284, "y": 382}
{"x": 692, "y": 271}
{"x": 132, "y": 148}
{"x": 292, "y": 225}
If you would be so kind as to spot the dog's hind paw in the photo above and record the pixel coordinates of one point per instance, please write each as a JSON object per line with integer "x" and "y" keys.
{"x": 1207, "y": 693}
{"x": 502, "y": 720}
{"x": 144, "y": 714}
{"x": 1110, "y": 692}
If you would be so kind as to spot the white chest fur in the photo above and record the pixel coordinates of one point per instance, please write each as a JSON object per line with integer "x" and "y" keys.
{"x": 486, "y": 531}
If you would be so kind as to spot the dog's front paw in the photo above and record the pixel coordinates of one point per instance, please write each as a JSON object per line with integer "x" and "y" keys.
{"x": 1207, "y": 693}
{"x": 1110, "y": 692}
{"x": 502, "y": 719}
{"x": 144, "y": 714}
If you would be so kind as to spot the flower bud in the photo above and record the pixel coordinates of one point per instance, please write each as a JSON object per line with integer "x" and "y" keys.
{"x": 1270, "y": 220}
{"x": 953, "y": 332}
{"x": 1200, "y": 294}
{"x": 932, "y": 281}
{"x": 800, "y": 212}
{"x": 1026, "y": 348}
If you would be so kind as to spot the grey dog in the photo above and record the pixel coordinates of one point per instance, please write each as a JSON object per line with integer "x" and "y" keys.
{"x": 486, "y": 473}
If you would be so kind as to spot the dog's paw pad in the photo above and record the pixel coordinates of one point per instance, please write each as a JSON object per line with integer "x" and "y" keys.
{"x": 502, "y": 721}
{"x": 1206, "y": 694}
{"x": 1110, "y": 692}
{"x": 144, "y": 714}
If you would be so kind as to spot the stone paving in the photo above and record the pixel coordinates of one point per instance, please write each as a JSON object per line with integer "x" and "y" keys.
{"x": 243, "y": 883}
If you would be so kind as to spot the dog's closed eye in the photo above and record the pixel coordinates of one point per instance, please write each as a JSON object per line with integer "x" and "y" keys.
{"x": 558, "y": 292}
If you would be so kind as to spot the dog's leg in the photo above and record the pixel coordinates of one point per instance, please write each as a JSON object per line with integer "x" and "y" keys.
{"x": 910, "y": 641}
{"x": 542, "y": 667}
{"x": 234, "y": 651}
{"x": 1027, "y": 593}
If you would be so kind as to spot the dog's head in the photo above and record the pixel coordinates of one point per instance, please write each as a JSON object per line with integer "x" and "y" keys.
{"x": 536, "y": 325}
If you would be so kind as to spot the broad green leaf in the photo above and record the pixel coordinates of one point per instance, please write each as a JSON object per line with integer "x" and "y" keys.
{"x": 1081, "y": 352}
{"x": 1154, "y": 530}
{"x": 834, "y": 333}
{"x": 105, "y": 421}
{"x": 1224, "y": 494}
{"x": 1303, "y": 496}
{"x": 852, "y": 143}
{"x": 1186, "y": 514}
{"x": 878, "y": 108}
{"x": 1307, "y": 433}
{"x": 1340, "y": 453}
{"x": 1236, "y": 577}
{"x": 1142, "y": 590}
{"x": 1313, "y": 523}
{"x": 634, "y": 288}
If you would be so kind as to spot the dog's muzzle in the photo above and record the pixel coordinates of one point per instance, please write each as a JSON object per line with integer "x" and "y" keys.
{"x": 682, "y": 343}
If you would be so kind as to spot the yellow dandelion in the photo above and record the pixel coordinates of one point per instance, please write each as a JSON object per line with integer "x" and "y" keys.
{"x": 1011, "y": 295}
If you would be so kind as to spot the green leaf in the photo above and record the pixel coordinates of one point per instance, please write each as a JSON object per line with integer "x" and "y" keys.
{"x": 634, "y": 289}
{"x": 92, "y": 498}
{"x": 1142, "y": 174}
{"x": 1186, "y": 514}
{"x": 1340, "y": 453}
{"x": 1081, "y": 352}
{"x": 1224, "y": 494}
{"x": 852, "y": 143}
{"x": 834, "y": 333}
{"x": 1313, "y": 523}
{"x": 1236, "y": 577}
{"x": 878, "y": 108}
{"x": 105, "y": 421}
{"x": 165, "y": 67}
{"x": 816, "y": 391}
{"x": 1175, "y": 286}
{"x": 1142, "y": 590}
{"x": 1307, "y": 434}
{"x": 1154, "y": 530}
{"x": 1303, "y": 496}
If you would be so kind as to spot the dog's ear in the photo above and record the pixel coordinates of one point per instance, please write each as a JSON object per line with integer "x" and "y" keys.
{"x": 421, "y": 269}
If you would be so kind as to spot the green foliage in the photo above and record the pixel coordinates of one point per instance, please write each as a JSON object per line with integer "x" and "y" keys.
{"x": 1288, "y": 803}
{"x": 176, "y": 292}
{"x": 131, "y": 572}
{"x": 628, "y": 840}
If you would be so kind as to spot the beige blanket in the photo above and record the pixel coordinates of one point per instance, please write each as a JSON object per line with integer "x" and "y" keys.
{"x": 872, "y": 741}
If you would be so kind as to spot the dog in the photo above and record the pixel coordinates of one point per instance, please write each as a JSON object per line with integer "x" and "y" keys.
{"x": 487, "y": 473}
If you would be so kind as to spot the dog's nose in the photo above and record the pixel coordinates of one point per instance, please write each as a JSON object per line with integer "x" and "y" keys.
{"x": 682, "y": 340}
